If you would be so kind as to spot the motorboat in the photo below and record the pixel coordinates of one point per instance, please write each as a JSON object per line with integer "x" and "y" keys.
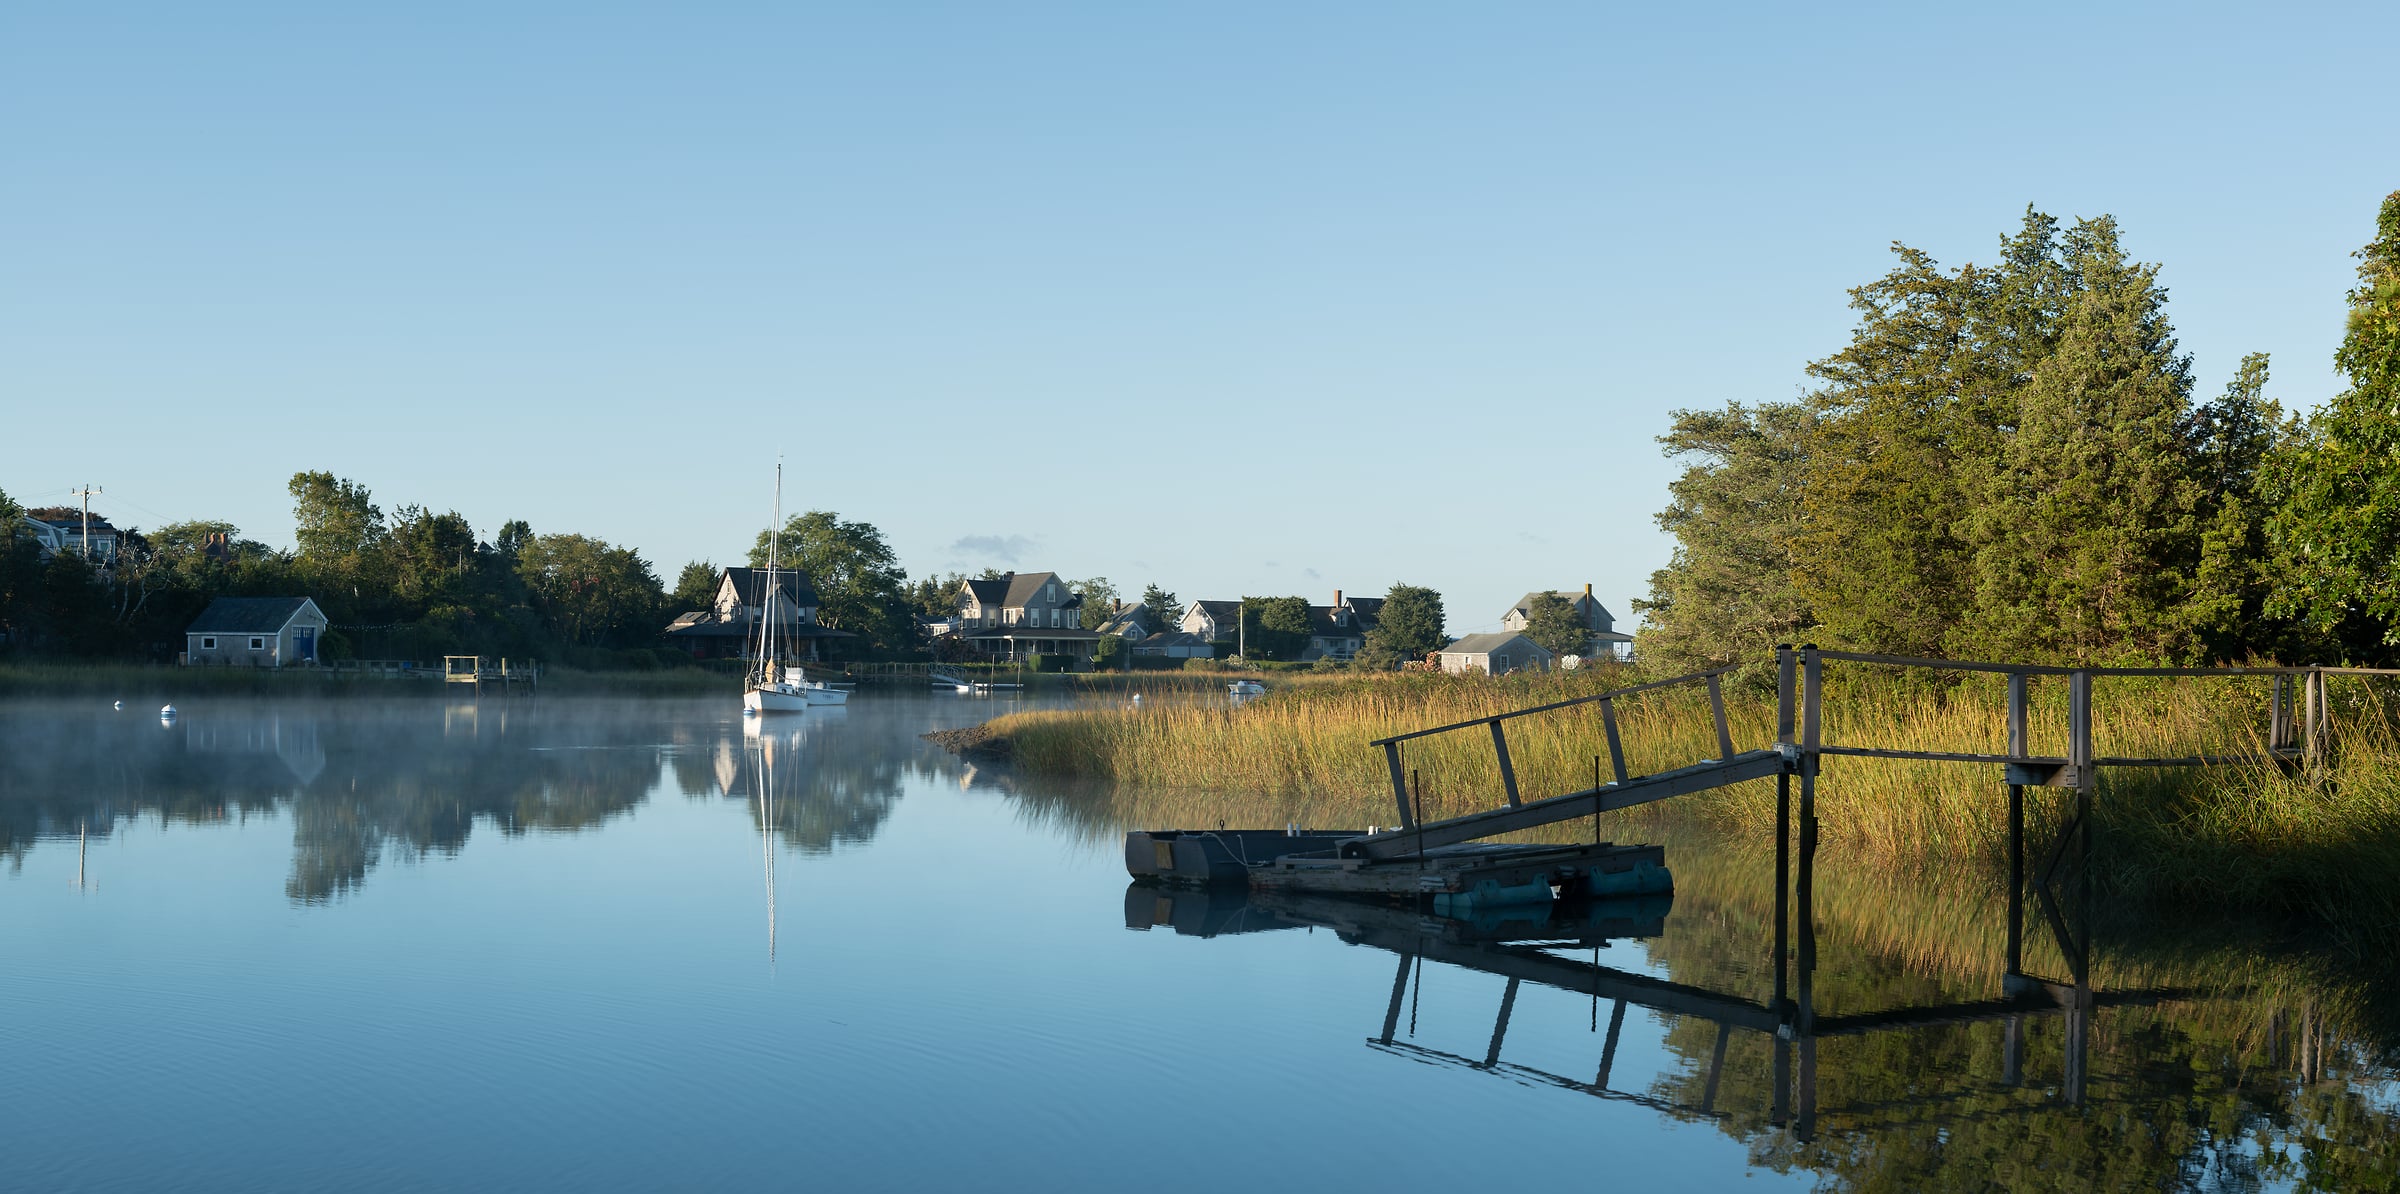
{"x": 1246, "y": 688}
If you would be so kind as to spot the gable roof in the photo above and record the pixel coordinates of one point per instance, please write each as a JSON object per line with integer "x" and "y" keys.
{"x": 1222, "y": 611}
{"x": 1485, "y": 644}
{"x": 750, "y": 583}
{"x": 1524, "y": 604}
{"x": 1025, "y": 585}
{"x": 989, "y": 592}
{"x": 1369, "y": 608}
{"x": 1322, "y": 624}
{"x": 248, "y": 615}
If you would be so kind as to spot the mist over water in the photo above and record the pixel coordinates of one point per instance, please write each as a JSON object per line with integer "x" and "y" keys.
{"x": 618, "y": 944}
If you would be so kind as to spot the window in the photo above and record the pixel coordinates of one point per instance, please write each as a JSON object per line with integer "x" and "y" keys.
{"x": 208, "y": 642}
{"x": 257, "y": 643}
{"x": 1054, "y": 619}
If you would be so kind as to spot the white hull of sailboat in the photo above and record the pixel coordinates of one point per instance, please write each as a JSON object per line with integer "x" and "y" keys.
{"x": 828, "y": 696}
{"x": 775, "y": 698}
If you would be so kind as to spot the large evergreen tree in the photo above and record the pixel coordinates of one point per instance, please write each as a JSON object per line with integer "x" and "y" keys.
{"x": 2085, "y": 534}
{"x": 1737, "y": 516}
{"x": 2337, "y": 531}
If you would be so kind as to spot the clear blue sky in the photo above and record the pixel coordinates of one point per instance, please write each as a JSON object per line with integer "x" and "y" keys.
{"x": 1233, "y": 298}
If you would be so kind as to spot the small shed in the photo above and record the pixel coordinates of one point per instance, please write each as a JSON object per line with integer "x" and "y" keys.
{"x": 255, "y": 632}
{"x": 1496, "y": 654}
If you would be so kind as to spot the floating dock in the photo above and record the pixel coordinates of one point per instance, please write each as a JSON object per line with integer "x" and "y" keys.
{"x": 1459, "y": 879}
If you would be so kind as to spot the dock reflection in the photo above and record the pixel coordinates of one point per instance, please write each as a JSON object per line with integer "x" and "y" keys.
{"x": 1558, "y": 946}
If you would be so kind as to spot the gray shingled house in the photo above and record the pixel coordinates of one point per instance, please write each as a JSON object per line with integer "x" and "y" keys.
{"x": 1022, "y": 614}
{"x": 1496, "y": 654}
{"x": 255, "y": 632}
{"x": 1605, "y": 642}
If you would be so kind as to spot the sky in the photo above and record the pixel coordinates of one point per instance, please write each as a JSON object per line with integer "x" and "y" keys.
{"x": 1234, "y": 299}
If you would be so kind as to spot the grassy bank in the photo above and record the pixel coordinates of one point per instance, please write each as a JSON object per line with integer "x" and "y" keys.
{"x": 2326, "y": 844}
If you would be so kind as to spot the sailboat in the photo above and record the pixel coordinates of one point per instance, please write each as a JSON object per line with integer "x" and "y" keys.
{"x": 766, "y": 689}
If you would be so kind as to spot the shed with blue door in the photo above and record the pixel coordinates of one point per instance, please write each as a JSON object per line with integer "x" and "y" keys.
{"x": 255, "y": 632}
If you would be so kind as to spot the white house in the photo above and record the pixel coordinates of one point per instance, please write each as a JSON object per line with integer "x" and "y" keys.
{"x": 254, "y": 632}
{"x": 1023, "y": 614}
{"x": 1496, "y": 654}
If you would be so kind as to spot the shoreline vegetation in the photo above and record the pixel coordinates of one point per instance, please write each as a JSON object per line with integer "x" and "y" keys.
{"x": 2320, "y": 847}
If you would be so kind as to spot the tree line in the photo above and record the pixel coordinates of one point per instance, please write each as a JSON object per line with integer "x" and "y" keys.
{"x": 2008, "y": 461}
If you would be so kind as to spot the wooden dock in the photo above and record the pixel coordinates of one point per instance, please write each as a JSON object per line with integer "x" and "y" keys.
{"x": 1441, "y": 859}
{"x": 510, "y": 677}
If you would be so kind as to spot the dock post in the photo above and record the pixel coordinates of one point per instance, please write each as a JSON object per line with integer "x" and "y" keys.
{"x": 1608, "y": 1048}
{"x": 1508, "y": 774}
{"x": 1508, "y": 1004}
{"x": 1391, "y": 758}
{"x": 1616, "y": 748}
{"x": 1804, "y": 1025}
{"x": 2016, "y": 827}
{"x": 1391, "y": 1015}
{"x": 1784, "y": 682}
{"x": 2279, "y": 715}
{"x": 1716, "y": 703}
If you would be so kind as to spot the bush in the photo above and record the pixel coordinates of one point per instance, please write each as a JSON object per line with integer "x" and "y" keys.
{"x": 1051, "y": 663}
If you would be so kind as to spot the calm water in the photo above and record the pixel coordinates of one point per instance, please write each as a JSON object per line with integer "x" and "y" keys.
{"x": 626, "y": 945}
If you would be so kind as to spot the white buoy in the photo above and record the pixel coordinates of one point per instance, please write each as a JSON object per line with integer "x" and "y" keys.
{"x": 116, "y": 704}
{"x": 166, "y": 710}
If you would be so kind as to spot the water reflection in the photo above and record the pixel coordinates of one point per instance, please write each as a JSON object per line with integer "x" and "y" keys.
{"x": 1873, "y": 1071}
{"x": 368, "y": 782}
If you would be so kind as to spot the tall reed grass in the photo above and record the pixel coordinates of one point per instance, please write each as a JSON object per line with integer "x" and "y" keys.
{"x": 2324, "y": 842}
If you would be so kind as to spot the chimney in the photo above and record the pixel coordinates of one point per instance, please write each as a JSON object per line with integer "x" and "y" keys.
{"x": 1337, "y": 599}
{"x": 1587, "y": 588}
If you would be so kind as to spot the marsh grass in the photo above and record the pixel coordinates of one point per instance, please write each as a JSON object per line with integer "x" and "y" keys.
{"x": 2253, "y": 835}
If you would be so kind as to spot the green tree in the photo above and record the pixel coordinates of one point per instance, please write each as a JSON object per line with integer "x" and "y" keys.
{"x": 594, "y": 594}
{"x": 1274, "y": 627}
{"x": 335, "y": 518}
{"x": 2087, "y": 532}
{"x": 860, "y": 585}
{"x": 695, "y": 587}
{"x": 1165, "y": 612}
{"x": 1410, "y": 625}
{"x": 2236, "y": 437}
{"x": 1100, "y": 600}
{"x": 936, "y": 597}
{"x": 20, "y": 571}
{"x": 514, "y": 535}
{"x": 1552, "y": 623}
{"x": 2336, "y": 529}
{"x": 1737, "y": 515}
{"x": 429, "y": 556}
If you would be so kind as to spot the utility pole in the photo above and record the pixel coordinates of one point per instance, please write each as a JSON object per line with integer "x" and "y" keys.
{"x": 86, "y": 494}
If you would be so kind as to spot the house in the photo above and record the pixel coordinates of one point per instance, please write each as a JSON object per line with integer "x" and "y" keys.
{"x": 1495, "y": 654}
{"x": 1212, "y": 621}
{"x": 1131, "y": 623}
{"x": 1175, "y": 644}
{"x": 60, "y": 528}
{"x": 730, "y": 625}
{"x": 253, "y": 632}
{"x": 1605, "y": 641}
{"x": 1339, "y": 630}
{"x": 1021, "y": 614}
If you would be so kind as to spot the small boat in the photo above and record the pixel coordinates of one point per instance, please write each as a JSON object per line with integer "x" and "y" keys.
{"x": 767, "y": 688}
{"x": 819, "y": 692}
{"x": 1246, "y": 688}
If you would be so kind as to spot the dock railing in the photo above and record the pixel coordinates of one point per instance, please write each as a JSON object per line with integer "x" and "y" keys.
{"x": 1415, "y": 834}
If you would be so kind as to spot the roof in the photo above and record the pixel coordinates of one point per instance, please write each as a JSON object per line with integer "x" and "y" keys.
{"x": 1321, "y": 624}
{"x": 1524, "y": 604}
{"x": 1221, "y": 611}
{"x": 1485, "y": 644}
{"x": 749, "y": 583}
{"x": 1023, "y": 587}
{"x": 989, "y": 592}
{"x": 247, "y": 615}
{"x": 1131, "y": 616}
{"x": 1369, "y": 608}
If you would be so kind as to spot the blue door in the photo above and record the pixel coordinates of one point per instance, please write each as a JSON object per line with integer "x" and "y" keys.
{"x": 304, "y": 643}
